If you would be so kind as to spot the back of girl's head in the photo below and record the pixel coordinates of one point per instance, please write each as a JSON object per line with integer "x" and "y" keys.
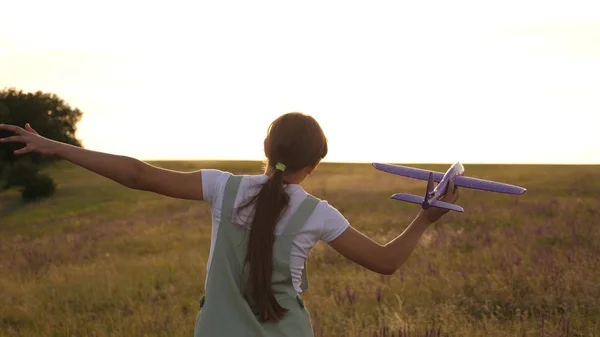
{"x": 296, "y": 141}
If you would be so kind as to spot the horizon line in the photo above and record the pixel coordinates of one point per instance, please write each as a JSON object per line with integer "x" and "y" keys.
{"x": 388, "y": 162}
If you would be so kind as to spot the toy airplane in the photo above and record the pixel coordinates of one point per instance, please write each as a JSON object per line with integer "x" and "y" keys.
{"x": 432, "y": 196}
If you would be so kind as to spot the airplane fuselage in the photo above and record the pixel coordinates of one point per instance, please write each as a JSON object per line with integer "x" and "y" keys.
{"x": 457, "y": 169}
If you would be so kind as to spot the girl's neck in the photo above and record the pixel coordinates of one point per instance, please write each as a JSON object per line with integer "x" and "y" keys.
{"x": 290, "y": 179}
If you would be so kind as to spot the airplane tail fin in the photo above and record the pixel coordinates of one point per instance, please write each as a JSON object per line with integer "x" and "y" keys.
{"x": 415, "y": 199}
{"x": 446, "y": 205}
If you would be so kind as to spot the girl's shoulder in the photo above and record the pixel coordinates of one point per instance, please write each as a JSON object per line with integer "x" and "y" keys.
{"x": 326, "y": 221}
{"x": 214, "y": 181}
{"x": 333, "y": 221}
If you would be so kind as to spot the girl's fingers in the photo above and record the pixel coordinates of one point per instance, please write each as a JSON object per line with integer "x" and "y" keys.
{"x": 24, "y": 150}
{"x": 30, "y": 129}
{"x": 13, "y": 139}
{"x": 13, "y": 128}
{"x": 449, "y": 195}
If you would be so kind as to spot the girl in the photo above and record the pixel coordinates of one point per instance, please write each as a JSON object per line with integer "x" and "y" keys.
{"x": 263, "y": 226}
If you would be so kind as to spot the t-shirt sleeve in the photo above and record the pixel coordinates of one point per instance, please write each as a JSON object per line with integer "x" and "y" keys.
{"x": 334, "y": 223}
{"x": 213, "y": 184}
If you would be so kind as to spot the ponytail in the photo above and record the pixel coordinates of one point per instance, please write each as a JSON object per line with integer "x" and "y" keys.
{"x": 269, "y": 205}
{"x": 298, "y": 141}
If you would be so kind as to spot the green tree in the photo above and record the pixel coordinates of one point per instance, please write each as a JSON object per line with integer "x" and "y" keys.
{"x": 53, "y": 118}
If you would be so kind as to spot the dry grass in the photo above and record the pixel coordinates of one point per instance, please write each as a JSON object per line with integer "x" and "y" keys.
{"x": 101, "y": 260}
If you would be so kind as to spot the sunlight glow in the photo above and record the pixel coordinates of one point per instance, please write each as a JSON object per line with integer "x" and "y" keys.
{"x": 438, "y": 82}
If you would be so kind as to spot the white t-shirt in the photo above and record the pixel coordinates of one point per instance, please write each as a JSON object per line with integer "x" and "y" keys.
{"x": 326, "y": 223}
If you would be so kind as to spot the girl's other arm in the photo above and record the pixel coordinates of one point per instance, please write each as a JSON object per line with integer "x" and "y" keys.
{"x": 386, "y": 259}
{"x": 382, "y": 259}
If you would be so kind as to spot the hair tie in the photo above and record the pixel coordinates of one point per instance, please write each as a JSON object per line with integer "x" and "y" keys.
{"x": 280, "y": 167}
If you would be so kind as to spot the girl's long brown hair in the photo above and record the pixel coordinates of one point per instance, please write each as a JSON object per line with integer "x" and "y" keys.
{"x": 297, "y": 141}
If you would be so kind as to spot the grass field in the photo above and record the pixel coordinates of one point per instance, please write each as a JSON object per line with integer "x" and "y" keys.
{"x": 101, "y": 260}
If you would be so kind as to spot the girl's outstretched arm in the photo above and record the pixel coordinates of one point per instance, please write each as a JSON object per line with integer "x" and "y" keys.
{"x": 127, "y": 171}
{"x": 386, "y": 259}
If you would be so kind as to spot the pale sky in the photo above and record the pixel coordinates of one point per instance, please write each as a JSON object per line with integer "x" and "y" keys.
{"x": 389, "y": 81}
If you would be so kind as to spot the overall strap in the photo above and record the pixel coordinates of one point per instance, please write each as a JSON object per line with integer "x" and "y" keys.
{"x": 296, "y": 222}
{"x": 302, "y": 214}
{"x": 231, "y": 190}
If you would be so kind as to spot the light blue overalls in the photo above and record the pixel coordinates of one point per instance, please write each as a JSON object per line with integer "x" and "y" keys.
{"x": 224, "y": 311}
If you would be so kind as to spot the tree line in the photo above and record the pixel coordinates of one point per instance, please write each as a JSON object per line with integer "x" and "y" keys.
{"x": 49, "y": 115}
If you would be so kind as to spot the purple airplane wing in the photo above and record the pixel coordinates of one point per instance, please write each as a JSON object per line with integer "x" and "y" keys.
{"x": 410, "y": 172}
{"x": 486, "y": 185}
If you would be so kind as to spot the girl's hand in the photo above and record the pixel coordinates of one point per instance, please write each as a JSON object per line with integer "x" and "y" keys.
{"x": 31, "y": 139}
{"x": 433, "y": 214}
